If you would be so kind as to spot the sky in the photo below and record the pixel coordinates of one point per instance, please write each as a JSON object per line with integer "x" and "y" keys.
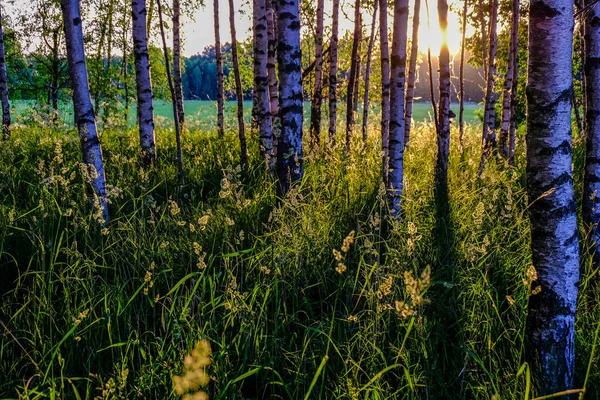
{"x": 199, "y": 31}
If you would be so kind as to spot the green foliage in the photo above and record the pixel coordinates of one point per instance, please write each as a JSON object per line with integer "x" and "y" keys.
{"x": 290, "y": 301}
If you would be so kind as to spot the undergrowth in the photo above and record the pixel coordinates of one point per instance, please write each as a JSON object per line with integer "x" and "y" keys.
{"x": 313, "y": 296}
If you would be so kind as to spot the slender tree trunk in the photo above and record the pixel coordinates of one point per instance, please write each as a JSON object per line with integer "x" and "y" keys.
{"x": 356, "y": 83}
{"x": 178, "y": 86}
{"x": 150, "y": 17}
{"x": 591, "y": 182}
{"x": 82, "y": 106}
{"x": 4, "y": 84}
{"x": 443, "y": 139}
{"x": 365, "y": 121}
{"x": 125, "y": 71}
{"x": 430, "y": 71}
{"x": 484, "y": 39}
{"x": 461, "y": 79}
{"x": 108, "y": 68}
{"x": 398, "y": 73}
{"x": 239, "y": 92}
{"x": 290, "y": 167}
{"x": 271, "y": 56}
{"x": 550, "y": 333}
{"x": 315, "y": 114}
{"x": 333, "y": 68}
{"x": 172, "y": 90}
{"x": 513, "y": 91}
{"x": 143, "y": 83}
{"x": 261, "y": 84}
{"x": 54, "y": 79}
{"x": 489, "y": 116}
{"x": 412, "y": 72}
{"x": 508, "y": 81}
{"x": 355, "y": 60}
{"x": 385, "y": 87}
{"x": 220, "y": 84}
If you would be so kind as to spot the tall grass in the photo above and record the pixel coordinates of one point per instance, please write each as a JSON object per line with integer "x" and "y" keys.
{"x": 313, "y": 296}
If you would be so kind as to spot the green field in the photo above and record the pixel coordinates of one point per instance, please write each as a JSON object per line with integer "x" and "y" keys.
{"x": 202, "y": 114}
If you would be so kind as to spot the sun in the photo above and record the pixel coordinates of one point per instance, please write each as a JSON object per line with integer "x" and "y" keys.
{"x": 432, "y": 36}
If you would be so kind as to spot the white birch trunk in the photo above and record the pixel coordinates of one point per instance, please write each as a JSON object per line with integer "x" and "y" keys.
{"x": 591, "y": 183}
{"x": 397, "y": 77}
{"x": 220, "y": 83}
{"x": 385, "y": 86}
{"x": 503, "y": 141}
{"x": 365, "y": 121}
{"x": 82, "y": 106}
{"x": 261, "y": 84}
{"x": 178, "y": 86}
{"x": 143, "y": 83}
{"x": 550, "y": 332}
{"x": 443, "y": 136}
{"x": 290, "y": 166}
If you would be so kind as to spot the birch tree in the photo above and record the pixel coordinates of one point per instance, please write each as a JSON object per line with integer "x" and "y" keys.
{"x": 461, "y": 78}
{"x": 239, "y": 92}
{"x": 591, "y": 182}
{"x": 4, "y": 84}
{"x": 507, "y": 105}
{"x": 290, "y": 166}
{"x": 365, "y": 121}
{"x": 443, "y": 134}
{"x": 220, "y": 83}
{"x": 333, "y": 69}
{"x": 397, "y": 77}
{"x": 143, "y": 83}
{"x": 355, "y": 60}
{"x": 271, "y": 56}
{"x": 412, "y": 72}
{"x": 385, "y": 86}
{"x": 172, "y": 91}
{"x": 315, "y": 114}
{"x": 262, "y": 105}
{"x": 489, "y": 113}
{"x": 82, "y": 106}
{"x": 177, "y": 61}
{"x": 550, "y": 330}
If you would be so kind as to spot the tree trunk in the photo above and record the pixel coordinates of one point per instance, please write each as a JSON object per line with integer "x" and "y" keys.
{"x": 177, "y": 62}
{"x": 443, "y": 138}
{"x": 412, "y": 72}
{"x": 271, "y": 56}
{"x": 550, "y": 333}
{"x": 239, "y": 92}
{"x": 108, "y": 68}
{"x": 355, "y": 60}
{"x": 489, "y": 114}
{"x": 82, "y": 106}
{"x": 143, "y": 83}
{"x": 4, "y": 84}
{"x": 461, "y": 80}
{"x": 290, "y": 166}
{"x": 261, "y": 84}
{"x": 484, "y": 39}
{"x": 513, "y": 92}
{"x": 385, "y": 87}
{"x": 333, "y": 68}
{"x": 398, "y": 73}
{"x": 55, "y": 76}
{"x": 315, "y": 114}
{"x": 508, "y": 81}
{"x": 220, "y": 84}
{"x": 365, "y": 121}
{"x": 591, "y": 182}
{"x": 172, "y": 90}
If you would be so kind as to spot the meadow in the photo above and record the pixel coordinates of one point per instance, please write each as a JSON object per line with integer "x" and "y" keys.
{"x": 313, "y": 296}
{"x": 202, "y": 114}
